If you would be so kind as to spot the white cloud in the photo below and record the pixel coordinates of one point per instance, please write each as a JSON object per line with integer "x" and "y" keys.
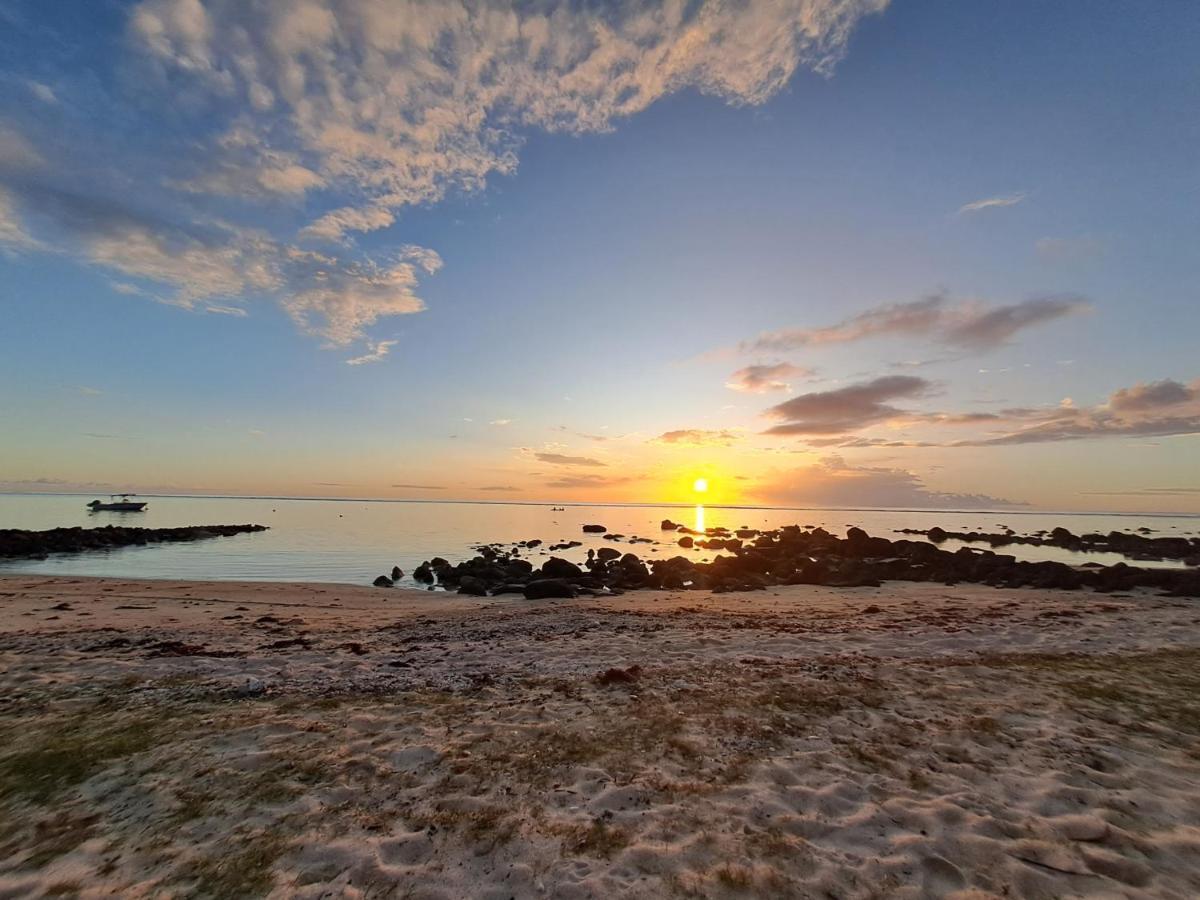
{"x": 378, "y": 350}
{"x": 12, "y": 231}
{"x": 235, "y": 311}
{"x": 993, "y": 202}
{"x": 43, "y": 92}
{"x": 402, "y": 101}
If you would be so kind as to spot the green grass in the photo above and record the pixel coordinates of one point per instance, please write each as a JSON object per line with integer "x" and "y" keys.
{"x": 54, "y": 759}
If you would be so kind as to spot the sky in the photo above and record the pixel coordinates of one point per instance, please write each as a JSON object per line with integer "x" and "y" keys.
{"x": 816, "y": 252}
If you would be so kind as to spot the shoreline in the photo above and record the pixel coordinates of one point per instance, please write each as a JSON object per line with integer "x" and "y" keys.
{"x": 303, "y": 740}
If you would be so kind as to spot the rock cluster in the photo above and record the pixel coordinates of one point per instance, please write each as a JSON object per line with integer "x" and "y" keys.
{"x": 788, "y": 555}
{"x": 1134, "y": 546}
{"x": 16, "y": 543}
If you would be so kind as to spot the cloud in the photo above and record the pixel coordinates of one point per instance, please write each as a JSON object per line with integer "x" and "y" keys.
{"x": 846, "y": 409}
{"x": 13, "y": 235}
{"x": 990, "y": 328}
{"x": 401, "y": 105}
{"x": 966, "y": 324}
{"x": 499, "y": 487}
{"x": 993, "y": 202}
{"x": 695, "y": 437}
{"x": 347, "y": 112}
{"x": 847, "y": 442}
{"x": 570, "y": 482}
{"x": 90, "y": 391}
{"x": 500, "y": 422}
{"x": 1158, "y": 409}
{"x": 421, "y": 487}
{"x": 763, "y": 379}
{"x": 378, "y": 350}
{"x": 1155, "y": 395}
{"x": 42, "y": 92}
{"x": 560, "y": 459}
{"x": 328, "y": 295}
{"x": 245, "y": 166}
{"x": 236, "y": 311}
{"x": 833, "y": 482}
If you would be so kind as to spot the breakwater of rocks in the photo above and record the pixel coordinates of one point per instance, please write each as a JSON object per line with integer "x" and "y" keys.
{"x": 754, "y": 559}
{"x": 16, "y": 543}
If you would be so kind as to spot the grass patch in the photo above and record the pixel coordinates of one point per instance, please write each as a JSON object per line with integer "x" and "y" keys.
{"x": 57, "y": 836}
{"x": 1160, "y": 688}
{"x": 244, "y": 871}
{"x": 599, "y": 839}
{"x": 54, "y": 759}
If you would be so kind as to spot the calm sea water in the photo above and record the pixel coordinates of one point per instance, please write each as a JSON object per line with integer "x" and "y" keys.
{"x": 352, "y": 541}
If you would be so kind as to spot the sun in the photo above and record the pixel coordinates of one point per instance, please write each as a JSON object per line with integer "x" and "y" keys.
{"x": 700, "y": 485}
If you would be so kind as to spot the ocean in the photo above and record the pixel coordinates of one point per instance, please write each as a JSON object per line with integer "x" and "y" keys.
{"x": 353, "y": 541}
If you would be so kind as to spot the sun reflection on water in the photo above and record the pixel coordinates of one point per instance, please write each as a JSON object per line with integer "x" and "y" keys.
{"x": 700, "y": 517}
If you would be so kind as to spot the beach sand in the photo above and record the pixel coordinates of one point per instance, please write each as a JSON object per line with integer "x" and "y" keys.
{"x": 914, "y": 740}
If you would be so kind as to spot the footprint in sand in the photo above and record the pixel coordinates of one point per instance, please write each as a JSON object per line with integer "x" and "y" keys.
{"x": 941, "y": 877}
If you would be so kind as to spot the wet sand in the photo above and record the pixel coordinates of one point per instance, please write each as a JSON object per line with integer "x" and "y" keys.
{"x": 314, "y": 740}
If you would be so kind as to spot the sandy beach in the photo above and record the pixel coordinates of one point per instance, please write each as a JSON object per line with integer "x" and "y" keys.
{"x": 294, "y": 740}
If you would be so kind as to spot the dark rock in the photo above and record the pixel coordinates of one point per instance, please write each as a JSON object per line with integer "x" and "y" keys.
{"x": 548, "y": 588}
{"x": 668, "y": 525}
{"x": 382, "y": 581}
{"x": 594, "y": 529}
{"x": 560, "y": 568}
{"x": 18, "y": 543}
{"x": 686, "y": 542}
{"x": 469, "y": 584}
{"x": 619, "y": 676}
{"x": 396, "y": 573}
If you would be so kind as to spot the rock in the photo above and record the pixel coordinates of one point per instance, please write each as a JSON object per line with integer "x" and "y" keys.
{"x": 668, "y": 525}
{"x": 619, "y": 676}
{"x": 560, "y": 568}
{"x": 594, "y": 529}
{"x": 469, "y": 584}
{"x": 686, "y": 542}
{"x": 396, "y": 573}
{"x": 548, "y": 588}
{"x": 423, "y": 573}
{"x": 937, "y": 535}
{"x": 251, "y": 687}
{"x": 382, "y": 581}
{"x": 604, "y": 554}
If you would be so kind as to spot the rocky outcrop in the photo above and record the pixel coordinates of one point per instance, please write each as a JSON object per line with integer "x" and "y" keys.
{"x": 795, "y": 555}
{"x": 1133, "y": 546}
{"x": 16, "y": 543}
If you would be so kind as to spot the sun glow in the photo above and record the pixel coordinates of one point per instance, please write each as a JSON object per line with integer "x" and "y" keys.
{"x": 700, "y": 485}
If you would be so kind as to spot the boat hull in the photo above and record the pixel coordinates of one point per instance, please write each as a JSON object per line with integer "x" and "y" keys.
{"x": 119, "y": 507}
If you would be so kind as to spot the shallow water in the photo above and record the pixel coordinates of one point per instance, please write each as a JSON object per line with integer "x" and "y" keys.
{"x": 353, "y": 541}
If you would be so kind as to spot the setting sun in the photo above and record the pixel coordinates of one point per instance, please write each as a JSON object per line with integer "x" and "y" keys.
{"x": 700, "y": 485}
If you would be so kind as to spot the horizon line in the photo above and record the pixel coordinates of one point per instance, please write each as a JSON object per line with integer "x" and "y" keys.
{"x": 1023, "y": 511}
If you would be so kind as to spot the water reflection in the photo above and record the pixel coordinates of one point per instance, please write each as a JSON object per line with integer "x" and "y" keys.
{"x": 700, "y": 517}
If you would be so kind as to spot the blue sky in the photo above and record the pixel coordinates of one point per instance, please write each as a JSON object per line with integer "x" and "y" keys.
{"x": 374, "y": 249}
